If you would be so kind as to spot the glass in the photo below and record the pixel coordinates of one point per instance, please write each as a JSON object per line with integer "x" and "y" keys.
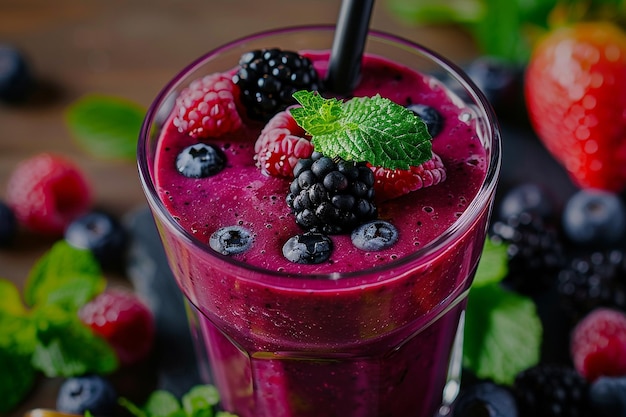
{"x": 273, "y": 343}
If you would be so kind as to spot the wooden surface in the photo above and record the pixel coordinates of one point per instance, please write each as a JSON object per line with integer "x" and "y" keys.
{"x": 130, "y": 48}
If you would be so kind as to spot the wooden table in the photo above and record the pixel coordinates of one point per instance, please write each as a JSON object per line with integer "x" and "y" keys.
{"x": 130, "y": 49}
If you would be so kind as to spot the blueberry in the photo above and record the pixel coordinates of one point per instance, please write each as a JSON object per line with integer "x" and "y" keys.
{"x": 231, "y": 240}
{"x": 375, "y": 235}
{"x": 526, "y": 198}
{"x": 200, "y": 161}
{"x": 594, "y": 217}
{"x": 485, "y": 399}
{"x": 430, "y": 116}
{"x": 90, "y": 392}
{"x": 16, "y": 81}
{"x": 498, "y": 79}
{"x": 608, "y": 396}
{"x": 308, "y": 248}
{"x": 101, "y": 233}
{"x": 8, "y": 224}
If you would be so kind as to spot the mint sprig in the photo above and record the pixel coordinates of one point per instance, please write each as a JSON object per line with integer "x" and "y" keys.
{"x": 40, "y": 330}
{"x": 199, "y": 401}
{"x": 364, "y": 129}
{"x": 105, "y": 126}
{"x": 503, "y": 331}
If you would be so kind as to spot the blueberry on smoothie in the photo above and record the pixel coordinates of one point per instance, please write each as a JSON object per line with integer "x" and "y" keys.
{"x": 430, "y": 116}
{"x": 200, "y": 161}
{"x": 374, "y": 236}
{"x": 231, "y": 240}
{"x": 308, "y": 248}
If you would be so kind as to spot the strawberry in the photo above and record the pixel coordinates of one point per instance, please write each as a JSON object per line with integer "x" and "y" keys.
{"x": 392, "y": 183}
{"x": 280, "y": 145}
{"x": 124, "y": 321}
{"x": 598, "y": 344}
{"x": 47, "y": 192}
{"x": 575, "y": 93}
{"x": 208, "y": 107}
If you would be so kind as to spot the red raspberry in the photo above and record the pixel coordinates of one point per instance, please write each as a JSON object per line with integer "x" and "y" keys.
{"x": 392, "y": 183}
{"x": 208, "y": 107}
{"x": 123, "y": 321}
{"x": 598, "y": 344}
{"x": 280, "y": 145}
{"x": 47, "y": 192}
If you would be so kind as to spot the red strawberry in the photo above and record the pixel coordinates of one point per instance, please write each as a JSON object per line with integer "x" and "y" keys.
{"x": 392, "y": 183}
{"x": 576, "y": 95}
{"x": 280, "y": 145}
{"x": 123, "y": 321}
{"x": 208, "y": 107}
{"x": 47, "y": 192}
{"x": 598, "y": 344}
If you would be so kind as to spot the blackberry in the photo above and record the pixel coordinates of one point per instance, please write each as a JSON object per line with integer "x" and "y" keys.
{"x": 551, "y": 391}
{"x": 597, "y": 279}
{"x": 535, "y": 251}
{"x": 268, "y": 78}
{"x": 331, "y": 196}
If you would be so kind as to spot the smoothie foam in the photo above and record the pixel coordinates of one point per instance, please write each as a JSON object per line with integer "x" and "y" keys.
{"x": 355, "y": 342}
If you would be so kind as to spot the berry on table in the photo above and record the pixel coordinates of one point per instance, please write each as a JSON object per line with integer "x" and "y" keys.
{"x": 608, "y": 396}
{"x": 16, "y": 79}
{"x": 551, "y": 391}
{"x": 485, "y": 399}
{"x": 598, "y": 344}
{"x": 526, "y": 198}
{"x": 8, "y": 224}
{"x": 331, "y": 196}
{"x": 594, "y": 217}
{"x": 91, "y": 393}
{"x": 102, "y": 234}
{"x": 207, "y": 108}
{"x": 124, "y": 321}
{"x": 200, "y": 161}
{"x": 280, "y": 145}
{"x": 308, "y": 248}
{"x": 47, "y": 192}
{"x": 393, "y": 183}
{"x": 267, "y": 79}
{"x": 231, "y": 240}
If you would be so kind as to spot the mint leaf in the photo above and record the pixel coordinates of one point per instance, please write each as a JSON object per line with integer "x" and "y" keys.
{"x": 163, "y": 404}
{"x": 66, "y": 347}
{"x": 493, "y": 265}
{"x": 107, "y": 127}
{"x": 200, "y": 400}
{"x": 438, "y": 11}
{"x": 502, "y": 333}
{"x": 64, "y": 276}
{"x": 10, "y": 299}
{"x": 365, "y": 129}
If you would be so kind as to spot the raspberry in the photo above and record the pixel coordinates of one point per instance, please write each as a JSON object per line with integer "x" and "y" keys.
{"x": 598, "y": 344}
{"x": 123, "y": 321}
{"x": 208, "y": 107}
{"x": 392, "y": 183}
{"x": 280, "y": 145}
{"x": 268, "y": 78}
{"x": 47, "y": 192}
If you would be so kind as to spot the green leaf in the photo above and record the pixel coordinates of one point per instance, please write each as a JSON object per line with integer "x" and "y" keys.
{"x": 66, "y": 347}
{"x": 200, "y": 400}
{"x": 438, "y": 11}
{"x": 502, "y": 333}
{"x": 163, "y": 404}
{"x": 10, "y": 299}
{"x": 493, "y": 266}
{"x": 17, "y": 377}
{"x": 107, "y": 127}
{"x": 364, "y": 129}
{"x": 64, "y": 276}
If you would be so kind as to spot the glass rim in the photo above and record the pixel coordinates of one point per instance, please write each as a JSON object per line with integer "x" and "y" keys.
{"x": 464, "y": 221}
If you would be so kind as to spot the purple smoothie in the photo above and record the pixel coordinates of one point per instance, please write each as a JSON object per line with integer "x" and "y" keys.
{"x": 363, "y": 334}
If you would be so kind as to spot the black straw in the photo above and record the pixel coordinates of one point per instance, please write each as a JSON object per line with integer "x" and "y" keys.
{"x": 348, "y": 45}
